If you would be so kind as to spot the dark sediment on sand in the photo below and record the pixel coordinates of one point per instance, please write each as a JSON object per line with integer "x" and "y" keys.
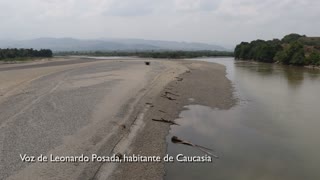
{"x": 203, "y": 84}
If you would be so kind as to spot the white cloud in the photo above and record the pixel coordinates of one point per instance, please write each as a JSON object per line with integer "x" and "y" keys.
{"x": 196, "y": 5}
{"x": 222, "y": 21}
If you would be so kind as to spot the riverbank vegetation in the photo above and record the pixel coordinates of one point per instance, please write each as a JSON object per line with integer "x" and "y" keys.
{"x": 293, "y": 49}
{"x": 150, "y": 54}
{"x": 23, "y": 54}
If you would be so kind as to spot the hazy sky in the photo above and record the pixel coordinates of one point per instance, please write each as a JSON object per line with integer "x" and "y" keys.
{"x": 213, "y": 21}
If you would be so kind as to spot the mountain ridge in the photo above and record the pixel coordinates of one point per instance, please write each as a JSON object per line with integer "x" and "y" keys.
{"x": 106, "y": 44}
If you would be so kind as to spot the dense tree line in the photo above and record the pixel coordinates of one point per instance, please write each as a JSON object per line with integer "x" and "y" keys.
{"x": 13, "y": 54}
{"x": 152, "y": 54}
{"x": 259, "y": 50}
{"x": 291, "y": 49}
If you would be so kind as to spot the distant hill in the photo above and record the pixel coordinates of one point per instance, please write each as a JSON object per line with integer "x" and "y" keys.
{"x": 293, "y": 49}
{"x": 311, "y": 44}
{"x": 71, "y": 44}
{"x": 310, "y": 41}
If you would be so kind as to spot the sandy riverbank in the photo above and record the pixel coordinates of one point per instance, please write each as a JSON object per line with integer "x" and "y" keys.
{"x": 202, "y": 83}
{"x": 82, "y": 106}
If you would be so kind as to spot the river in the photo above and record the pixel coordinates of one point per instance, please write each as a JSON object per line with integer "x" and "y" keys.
{"x": 271, "y": 133}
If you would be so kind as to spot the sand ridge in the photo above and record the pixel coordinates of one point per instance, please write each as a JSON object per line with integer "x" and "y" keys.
{"x": 205, "y": 83}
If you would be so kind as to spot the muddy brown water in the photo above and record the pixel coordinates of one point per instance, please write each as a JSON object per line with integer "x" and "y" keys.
{"x": 272, "y": 132}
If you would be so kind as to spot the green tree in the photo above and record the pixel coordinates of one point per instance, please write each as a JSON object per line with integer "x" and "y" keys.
{"x": 242, "y": 50}
{"x": 293, "y": 54}
{"x": 282, "y": 57}
{"x": 314, "y": 59}
{"x": 291, "y": 38}
{"x": 298, "y": 58}
{"x": 10, "y": 54}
